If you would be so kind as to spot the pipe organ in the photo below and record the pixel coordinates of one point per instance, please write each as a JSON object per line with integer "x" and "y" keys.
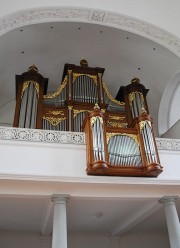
{"x": 119, "y": 132}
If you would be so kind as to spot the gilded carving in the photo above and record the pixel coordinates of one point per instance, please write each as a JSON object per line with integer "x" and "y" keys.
{"x": 117, "y": 118}
{"x": 94, "y": 119}
{"x": 70, "y": 107}
{"x": 110, "y": 97}
{"x": 55, "y": 94}
{"x": 117, "y": 124}
{"x": 55, "y": 112}
{"x": 76, "y": 75}
{"x": 78, "y": 111}
{"x": 133, "y": 136}
{"x": 132, "y": 95}
{"x": 143, "y": 123}
{"x": 26, "y": 85}
{"x": 54, "y": 120}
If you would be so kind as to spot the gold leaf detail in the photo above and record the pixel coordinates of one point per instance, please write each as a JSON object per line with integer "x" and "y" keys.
{"x": 55, "y": 112}
{"x": 55, "y": 94}
{"x": 133, "y": 136}
{"x": 26, "y": 85}
{"x": 54, "y": 120}
{"x": 94, "y": 119}
{"x": 76, "y": 75}
{"x": 132, "y": 95}
{"x": 110, "y": 97}
{"x": 70, "y": 107}
{"x": 117, "y": 118}
{"x": 117, "y": 124}
{"x": 77, "y": 111}
{"x": 143, "y": 123}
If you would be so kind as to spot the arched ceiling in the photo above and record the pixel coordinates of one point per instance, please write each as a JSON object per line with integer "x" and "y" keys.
{"x": 51, "y": 45}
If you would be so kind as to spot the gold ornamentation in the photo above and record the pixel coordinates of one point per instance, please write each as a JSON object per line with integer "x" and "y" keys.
{"x": 117, "y": 118}
{"x": 117, "y": 124}
{"x": 96, "y": 106}
{"x": 33, "y": 68}
{"x": 133, "y": 136}
{"x": 99, "y": 74}
{"x": 143, "y": 123}
{"x": 36, "y": 85}
{"x": 94, "y": 119}
{"x": 77, "y": 111}
{"x": 110, "y": 97}
{"x": 75, "y": 75}
{"x": 132, "y": 95}
{"x": 70, "y": 107}
{"x": 55, "y": 112}
{"x": 84, "y": 62}
{"x": 26, "y": 85}
{"x": 69, "y": 71}
{"x": 103, "y": 110}
{"x": 55, "y": 94}
{"x": 54, "y": 120}
{"x": 135, "y": 81}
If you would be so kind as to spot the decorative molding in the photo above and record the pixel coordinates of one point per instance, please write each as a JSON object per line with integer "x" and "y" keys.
{"x": 48, "y": 136}
{"x": 37, "y": 135}
{"x": 168, "y": 144}
{"x": 116, "y": 20}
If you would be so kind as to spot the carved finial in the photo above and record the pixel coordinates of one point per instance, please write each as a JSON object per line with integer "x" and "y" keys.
{"x": 33, "y": 68}
{"x": 135, "y": 81}
{"x": 96, "y": 106}
{"x": 84, "y": 62}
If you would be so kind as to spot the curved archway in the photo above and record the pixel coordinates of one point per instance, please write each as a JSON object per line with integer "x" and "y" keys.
{"x": 166, "y": 120}
{"x": 70, "y": 14}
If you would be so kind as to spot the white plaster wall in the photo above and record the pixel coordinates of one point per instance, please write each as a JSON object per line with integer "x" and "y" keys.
{"x": 145, "y": 240}
{"x": 63, "y": 160}
{"x": 42, "y": 159}
{"x": 10, "y": 239}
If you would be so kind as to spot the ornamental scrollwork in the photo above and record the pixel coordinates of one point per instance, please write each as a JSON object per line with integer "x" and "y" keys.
{"x": 55, "y": 94}
{"x": 109, "y": 95}
{"x": 143, "y": 123}
{"x": 94, "y": 119}
{"x": 132, "y": 96}
{"x": 26, "y": 85}
{"x": 133, "y": 136}
{"x": 76, "y": 75}
{"x": 54, "y": 120}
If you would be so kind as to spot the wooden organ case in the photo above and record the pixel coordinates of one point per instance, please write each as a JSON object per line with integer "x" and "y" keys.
{"x": 119, "y": 132}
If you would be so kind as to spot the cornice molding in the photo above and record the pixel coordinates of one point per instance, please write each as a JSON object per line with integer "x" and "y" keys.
{"x": 70, "y": 14}
{"x": 77, "y": 138}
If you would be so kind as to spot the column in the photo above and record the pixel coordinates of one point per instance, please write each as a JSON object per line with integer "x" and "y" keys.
{"x": 172, "y": 220}
{"x": 59, "y": 237}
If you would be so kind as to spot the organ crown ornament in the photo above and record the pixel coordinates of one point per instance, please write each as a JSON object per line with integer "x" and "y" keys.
{"x": 33, "y": 68}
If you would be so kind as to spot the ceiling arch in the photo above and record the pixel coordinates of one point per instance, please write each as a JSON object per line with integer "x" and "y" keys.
{"x": 96, "y": 16}
{"x": 168, "y": 114}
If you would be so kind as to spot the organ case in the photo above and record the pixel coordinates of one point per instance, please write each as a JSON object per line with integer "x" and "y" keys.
{"x": 119, "y": 132}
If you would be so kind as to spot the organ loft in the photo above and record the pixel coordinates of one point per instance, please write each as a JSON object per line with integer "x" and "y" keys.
{"x": 119, "y": 132}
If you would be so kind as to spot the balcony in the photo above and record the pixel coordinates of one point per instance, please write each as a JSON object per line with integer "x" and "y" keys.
{"x": 61, "y": 156}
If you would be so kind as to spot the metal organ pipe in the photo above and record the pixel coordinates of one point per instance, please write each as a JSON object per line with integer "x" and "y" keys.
{"x": 123, "y": 151}
{"x": 28, "y": 111}
{"x": 98, "y": 140}
{"x": 148, "y": 140}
